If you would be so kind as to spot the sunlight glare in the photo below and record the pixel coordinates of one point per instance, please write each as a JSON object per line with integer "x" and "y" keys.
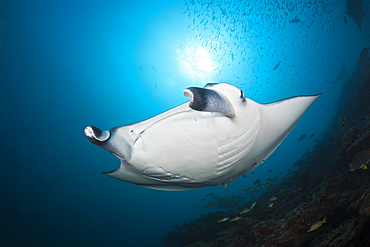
{"x": 196, "y": 60}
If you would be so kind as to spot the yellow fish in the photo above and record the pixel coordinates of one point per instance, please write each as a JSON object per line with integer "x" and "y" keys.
{"x": 270, "y": 205}
{"x": 244, "y": 211}
{"x": 360, "y": 160}
{"x": 273, "y": 198}
{"x": 253, "y": 205}
{"x": 316, "y": 225}
{"x": 235, "y": 218}
{"x": 222, "y": 220}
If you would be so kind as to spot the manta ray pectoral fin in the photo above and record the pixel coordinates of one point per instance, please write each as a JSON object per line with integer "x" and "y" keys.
{"x": 280, "y": 117}
{"x": 202, "y": 99}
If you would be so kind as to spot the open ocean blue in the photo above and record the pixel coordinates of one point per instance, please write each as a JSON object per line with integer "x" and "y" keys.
{"x": 67, "y": 64}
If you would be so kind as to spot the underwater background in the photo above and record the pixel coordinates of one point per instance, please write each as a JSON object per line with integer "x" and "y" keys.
{"x": 69, "y": 64}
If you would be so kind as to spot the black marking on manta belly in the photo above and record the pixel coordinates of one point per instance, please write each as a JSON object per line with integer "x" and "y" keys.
{"x": 242, "y": 96}
{"x": 255, "y": 163}
{"x": 136, "y": 139}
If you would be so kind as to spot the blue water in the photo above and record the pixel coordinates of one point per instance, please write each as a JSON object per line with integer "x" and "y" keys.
{"x": 69, "y": 64}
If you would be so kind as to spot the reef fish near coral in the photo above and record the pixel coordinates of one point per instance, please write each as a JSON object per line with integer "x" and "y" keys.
{"x": 244, "y": 211}
{"x": 273, "y": 198}
{"x": 360, "y": 160}
{"x": 316, "y": 225}
{"x": 236, "y": 218}
{"x": 222, "y": 220}
{"x": 212, "y": 140}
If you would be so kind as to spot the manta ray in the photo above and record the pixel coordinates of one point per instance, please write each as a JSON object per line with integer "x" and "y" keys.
{"x": 211, "y": 140}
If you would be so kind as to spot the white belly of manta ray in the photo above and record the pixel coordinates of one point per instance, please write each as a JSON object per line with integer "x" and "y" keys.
{"x": 213, "y": 139}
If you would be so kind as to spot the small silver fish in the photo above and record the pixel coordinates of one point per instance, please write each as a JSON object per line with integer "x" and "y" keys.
{"x": 276, "y": 66}
{"x": 295, "y": 20}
